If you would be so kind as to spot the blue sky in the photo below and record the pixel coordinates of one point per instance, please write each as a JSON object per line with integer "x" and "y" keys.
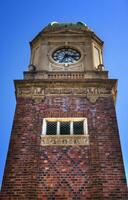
{"x": 21, "y": 20}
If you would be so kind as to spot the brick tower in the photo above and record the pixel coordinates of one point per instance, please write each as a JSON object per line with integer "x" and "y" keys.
{"x": 65, "y": 141}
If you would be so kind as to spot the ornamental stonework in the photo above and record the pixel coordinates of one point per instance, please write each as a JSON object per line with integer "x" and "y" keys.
{"x": 64, "y": 140}
{"x": 91, "y": 93}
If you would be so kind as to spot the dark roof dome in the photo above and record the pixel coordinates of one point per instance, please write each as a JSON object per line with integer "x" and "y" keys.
{"x": 57, "y": 25}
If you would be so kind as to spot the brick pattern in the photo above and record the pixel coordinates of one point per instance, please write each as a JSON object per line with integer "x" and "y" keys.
{"x": 93, "y": 172}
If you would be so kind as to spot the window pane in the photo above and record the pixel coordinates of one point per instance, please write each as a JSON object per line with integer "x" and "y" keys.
{"x": 96, "y": 56}
{"x": 51, "y": 128}
{"x": 65, "y": 128}
{"x": 78, "y": 128}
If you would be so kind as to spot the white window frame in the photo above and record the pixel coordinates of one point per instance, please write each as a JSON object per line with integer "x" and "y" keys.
{"x": 58, "y": 120}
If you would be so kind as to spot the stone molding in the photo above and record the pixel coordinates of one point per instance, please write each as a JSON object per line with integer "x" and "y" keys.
{"x": 92, "y": 93}
{"x": 64, "y": 140}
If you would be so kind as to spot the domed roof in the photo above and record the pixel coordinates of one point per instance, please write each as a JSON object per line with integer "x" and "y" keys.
{"x": 62, "y": 28}
{"x": 57, "y": 26}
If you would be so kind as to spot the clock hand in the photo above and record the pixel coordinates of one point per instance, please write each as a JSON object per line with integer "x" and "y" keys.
{"x": 74, "y": 56}
{"x": 65, "y": 56}
{"x": 61, "y": 57}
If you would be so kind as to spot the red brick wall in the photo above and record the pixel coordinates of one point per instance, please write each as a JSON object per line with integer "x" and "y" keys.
{"x": 93, "y": 172}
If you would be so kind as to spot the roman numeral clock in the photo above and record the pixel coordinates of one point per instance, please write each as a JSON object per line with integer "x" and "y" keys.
{"x": 65, "y": 141}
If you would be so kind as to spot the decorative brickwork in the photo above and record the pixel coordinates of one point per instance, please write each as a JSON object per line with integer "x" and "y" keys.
{"x": 93, "y": 171}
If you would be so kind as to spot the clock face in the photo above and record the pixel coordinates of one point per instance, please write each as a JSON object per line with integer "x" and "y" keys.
{"x": 66, "y": 56}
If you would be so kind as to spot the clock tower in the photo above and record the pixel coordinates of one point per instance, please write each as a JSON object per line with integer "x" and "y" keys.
{"x": 65, "y": 140}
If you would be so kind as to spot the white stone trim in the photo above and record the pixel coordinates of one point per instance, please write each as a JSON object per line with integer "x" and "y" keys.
{"x": 44, "y": 127}
{"x": 58, "y": 128}
{"x": 71, "y": 128}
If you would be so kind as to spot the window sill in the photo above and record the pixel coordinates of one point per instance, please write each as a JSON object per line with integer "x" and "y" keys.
{"x": 64, "y": 140}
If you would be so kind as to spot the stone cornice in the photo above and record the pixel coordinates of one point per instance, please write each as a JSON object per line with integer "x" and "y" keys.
{"x": 91, "y": 82}
{"x": 90, "y": 89}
